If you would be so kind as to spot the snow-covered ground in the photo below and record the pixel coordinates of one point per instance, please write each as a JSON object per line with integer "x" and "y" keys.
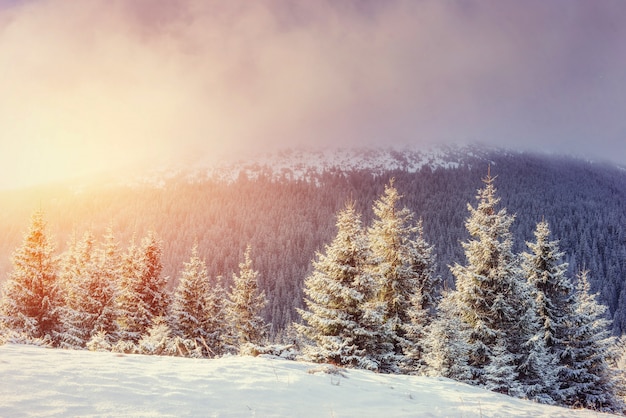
{"x": 36, "y": 381}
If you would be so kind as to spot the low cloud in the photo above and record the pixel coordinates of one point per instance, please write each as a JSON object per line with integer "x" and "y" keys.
{"x": 98, "y": 84}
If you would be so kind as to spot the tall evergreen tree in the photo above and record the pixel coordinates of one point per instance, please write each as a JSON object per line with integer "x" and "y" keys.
{"x": 423, "y": 302}
{"x": 31, "y": 299}
{"x": 485, "y": 285}
{"x": 143, "y": 296}
{"x": 445, "y": 342}
{"x": 77, "y": 273}
{"x": 244, "y": 306}
{"x": 588, "y": 379}
{"x": 89, "y": 276}
{"x": 402, "y": 267}
{"x": 495, "y": 303}
{"x": 197, "y": 310}
{"x": 108, "y": 270}
{"x": 341, "y": 324}
{"x": 551, "y": 288}
{"x": 551, "y": 291}
{"x": 133, "y": 318}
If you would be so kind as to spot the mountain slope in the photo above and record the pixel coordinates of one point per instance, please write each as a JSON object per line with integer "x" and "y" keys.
{"x": 287, "y": 216}
{"x": 44, "y": 382}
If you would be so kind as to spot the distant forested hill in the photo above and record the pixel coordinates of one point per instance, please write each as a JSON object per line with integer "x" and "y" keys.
{"x": 286, "y": 220}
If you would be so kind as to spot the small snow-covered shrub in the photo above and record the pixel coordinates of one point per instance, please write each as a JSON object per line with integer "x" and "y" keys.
{"x": 284, "y": 351}
{"x": 9, "y": 336}
{"x": 99, "y": 342}
{"x": 287, "y": 352}
{"x": 123, "y": 346}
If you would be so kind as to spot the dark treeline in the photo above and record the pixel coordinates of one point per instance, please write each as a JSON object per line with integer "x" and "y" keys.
{"x": 286, "y": 222}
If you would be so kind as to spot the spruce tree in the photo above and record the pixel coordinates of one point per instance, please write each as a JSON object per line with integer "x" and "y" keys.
{"x": 402, "y": 268}
{"x": 197, "y": 310}
{"x": 31, "y": 298}
{"x": 90, "y": 289}
{"x": 551, "y": 288}
{"x": 445, "y": 343}
{"x": 340, "y": 321}
{"x": 77, "y": 273}
{"x": 108, "y": 270}
{"x": 501, "y": 373}
{"x": 133, "y": 319}
{"x": 494, "y": 301}
{"x": 551, "y": 291}
{"x": 244, "y": 306}
{"x": 423, "y": 303}
{"x": 143, "y": 295}
{"x": 589, "y": 379}
{"x": 485, "y": 285}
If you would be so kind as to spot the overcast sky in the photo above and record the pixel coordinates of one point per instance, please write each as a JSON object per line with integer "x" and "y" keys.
{"x": 95, "y": 84}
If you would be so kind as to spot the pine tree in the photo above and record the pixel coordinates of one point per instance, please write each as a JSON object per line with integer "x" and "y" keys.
{"x": 108, "y": 270}
{"x": 402, "y": 267}
{"x": 31, "y": 298}
{"x": 551, "y": 292}
{"x": 423, "y": 302}
{"x": 551, "y": 288}
{"x": 494, "y": 300}
{"x": 422, "y": 262}
{"x": 154, "y": 292}
{"x": 133, "y": 319}
{"x": 486, "y": 285}
{"x": 445, "y": 342}
{"x": 588, "y": 379}
{"x": 90, "y": 290}
{"x": 143, "y": 296}
{"x": 341, "y": 323}
{"x": 244, "y": 306}
{"x": 501, "y": 374}
{"x": 77, "y": 271}
{"x": 197, "y": 311}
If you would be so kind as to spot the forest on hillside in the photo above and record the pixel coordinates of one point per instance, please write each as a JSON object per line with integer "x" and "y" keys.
{"x": 287, "y": 221}
{"x": 516, "y": 323}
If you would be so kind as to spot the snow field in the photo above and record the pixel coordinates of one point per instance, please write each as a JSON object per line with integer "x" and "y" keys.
{"x": 40, "y": 382}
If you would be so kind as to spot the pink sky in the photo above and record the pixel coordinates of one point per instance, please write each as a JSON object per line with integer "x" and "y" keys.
{"x": 96, "y": 85}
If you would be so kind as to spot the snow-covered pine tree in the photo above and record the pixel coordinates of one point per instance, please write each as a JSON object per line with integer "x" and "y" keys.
{"x": 403, "y": 270}
{"x": 501, "y": 374}
{"x": 108, "y": 269}
{"x": 551, "y": 288}
{"x": 157, "y": 340}
{"x": 588, "y": 379}
{"x": 551, "y": 291}
{"x": 422, "y": 259}
{"x": 143, "y": 295}
{"x": 133, "y": 317}
{"x": 493, "y": 299}
{"x": 31, "y": 298}
{"x": 89, "y": 289}
{"x": 340, "y": 322}
{"x": 244, "y": 306}
{"x": 76, "y": 275}
{"x": 445, "y": 342}
{"x": 197, "y": 310}
{"x": 155, "y": 294}
{"x": 423, "y": 302}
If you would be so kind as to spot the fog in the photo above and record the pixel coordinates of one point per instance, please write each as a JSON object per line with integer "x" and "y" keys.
{"x": 96, "y": 85}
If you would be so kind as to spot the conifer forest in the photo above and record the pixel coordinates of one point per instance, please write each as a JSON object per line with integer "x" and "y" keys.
{"x": 506, "y": 274}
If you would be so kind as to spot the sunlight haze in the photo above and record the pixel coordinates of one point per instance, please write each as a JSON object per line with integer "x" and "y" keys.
{"x": 96, "y": 85}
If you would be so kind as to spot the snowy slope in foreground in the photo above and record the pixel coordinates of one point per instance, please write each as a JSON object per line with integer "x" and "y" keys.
{"x": 44, "y": 382}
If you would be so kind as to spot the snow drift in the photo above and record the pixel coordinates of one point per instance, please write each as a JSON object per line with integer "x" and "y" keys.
{"x": 50, "y": 382}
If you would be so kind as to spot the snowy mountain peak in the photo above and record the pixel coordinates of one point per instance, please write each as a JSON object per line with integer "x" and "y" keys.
{"x": 311, "y": 164}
